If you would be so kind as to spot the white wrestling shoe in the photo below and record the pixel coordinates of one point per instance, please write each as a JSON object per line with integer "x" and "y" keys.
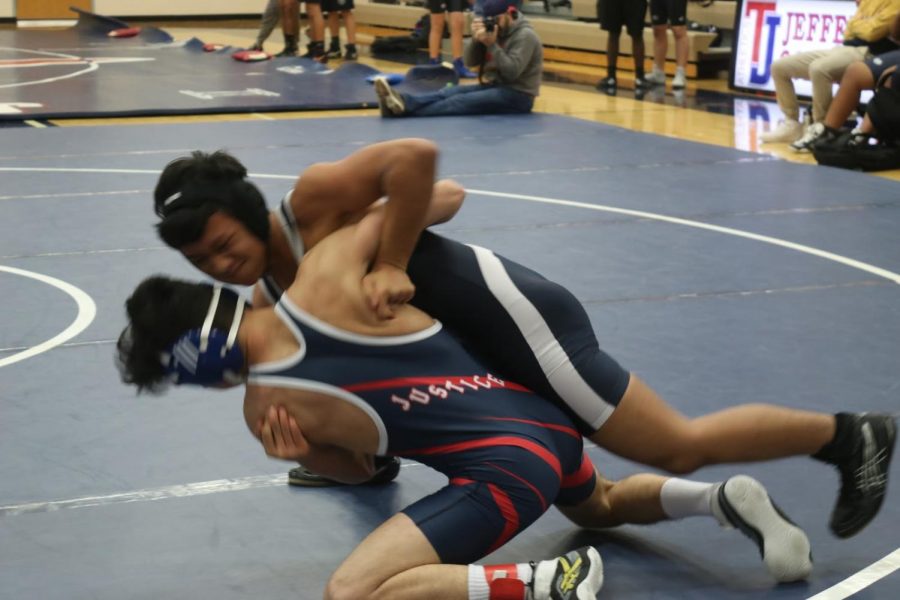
{"x": 784, "y": 546}
{"x": 576, "y": 575}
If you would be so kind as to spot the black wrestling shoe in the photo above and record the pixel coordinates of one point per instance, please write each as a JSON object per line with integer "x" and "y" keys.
{"x": 303, "y": 477}
{"x": 387, "y": 469}
{"x": 783, "y": 546}
{"x": 577, "y": 575}
{"x": 864, "y": 473}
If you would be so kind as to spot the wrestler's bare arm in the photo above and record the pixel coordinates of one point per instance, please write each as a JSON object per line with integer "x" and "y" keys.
{"x": 279, "y": 432}
{"x": 327, "y": 195}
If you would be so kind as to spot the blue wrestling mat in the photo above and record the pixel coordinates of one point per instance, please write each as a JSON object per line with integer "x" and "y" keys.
{"x": 83, "y": 72}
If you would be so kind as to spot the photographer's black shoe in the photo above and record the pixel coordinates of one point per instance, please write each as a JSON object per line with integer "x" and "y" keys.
{"x": 864, "y": 473}
{"x": 387, "y": 469}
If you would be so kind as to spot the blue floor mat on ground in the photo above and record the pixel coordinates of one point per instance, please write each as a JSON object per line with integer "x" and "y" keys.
{"x": 82, "y": 72}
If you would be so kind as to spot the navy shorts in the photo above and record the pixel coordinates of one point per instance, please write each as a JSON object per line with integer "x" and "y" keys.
{"x": 442, "y": 6}
{"x": 672, "y": 12}
{"x": 330, "y": 6}
{"x": 497, "y": 491}
{"x": 882, "y": 63}
{"x": 614, "y": 14}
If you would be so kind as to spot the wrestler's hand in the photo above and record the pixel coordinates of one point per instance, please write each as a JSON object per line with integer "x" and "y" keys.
{"x": 387, "y": 286}
{"x": 281, "y": 437}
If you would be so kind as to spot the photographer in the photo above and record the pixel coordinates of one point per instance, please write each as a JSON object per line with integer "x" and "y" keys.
{"x": 509, "y": 57}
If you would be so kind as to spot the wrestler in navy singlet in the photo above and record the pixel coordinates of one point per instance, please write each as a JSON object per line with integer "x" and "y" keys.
{"x": 508, "y": 453}
{"x": 525, "y": 327}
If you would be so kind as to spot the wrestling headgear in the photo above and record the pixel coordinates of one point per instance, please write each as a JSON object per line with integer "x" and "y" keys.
{"x": 207, "y": 356}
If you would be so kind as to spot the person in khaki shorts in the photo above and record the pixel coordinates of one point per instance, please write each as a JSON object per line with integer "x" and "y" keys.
{"x": 866, "y": 33}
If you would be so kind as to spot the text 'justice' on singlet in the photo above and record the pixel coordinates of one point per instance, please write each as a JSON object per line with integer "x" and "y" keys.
{"x": 423, "y": 391}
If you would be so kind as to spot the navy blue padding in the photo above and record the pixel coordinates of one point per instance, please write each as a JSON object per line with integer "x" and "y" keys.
{"x": 709, "y": 320}
{"x": 81, "y": 72}
{"x": 422, "y": 78}
{"x": 90, "y": 24}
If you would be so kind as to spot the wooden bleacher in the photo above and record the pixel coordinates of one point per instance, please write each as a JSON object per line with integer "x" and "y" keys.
{"x": 581, "y": 41}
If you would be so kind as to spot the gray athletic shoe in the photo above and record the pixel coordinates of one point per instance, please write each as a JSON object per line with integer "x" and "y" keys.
{"x": 390, "y": 101}
{"x": 784, "y": 546}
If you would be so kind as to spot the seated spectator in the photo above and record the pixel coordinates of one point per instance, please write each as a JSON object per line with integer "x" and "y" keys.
{"x": 874, "y": 72}
{"x": 510, "y": 59}
{"x": 863, "y": 75}
{"x": 866, "y": 33}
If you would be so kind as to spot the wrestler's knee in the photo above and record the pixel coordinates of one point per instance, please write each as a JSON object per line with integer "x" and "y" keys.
{"x": 682, "y": 455}
{"x": 344, "y": 586}
{"x": 595, "y": 512}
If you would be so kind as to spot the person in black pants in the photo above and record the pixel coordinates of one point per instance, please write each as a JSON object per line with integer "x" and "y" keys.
{"x": 613, "y": 14}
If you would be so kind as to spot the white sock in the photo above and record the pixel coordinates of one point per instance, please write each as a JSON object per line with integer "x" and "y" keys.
{"x": 681, "y": 498}
{"x": 480, "y": 578}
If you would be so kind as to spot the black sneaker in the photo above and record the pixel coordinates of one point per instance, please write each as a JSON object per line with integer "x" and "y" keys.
{"x": 641, "y": 83}
{"x": 334, "y": 51}
{"x": 350, "y": 53}
{"x": 303, "y": 477}
{"x": 387, "y": 469}
{"x": 607, "y": 83}
{"x": 316, "y": 52}
{"x": 256, "y": 48}
{"x": 864, "y": 473}
{"x": 576, "y": 576}
{"x": 784, "y": 547}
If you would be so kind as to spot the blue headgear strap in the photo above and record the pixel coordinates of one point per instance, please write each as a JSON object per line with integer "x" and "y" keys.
{"x": 207, "y": 356}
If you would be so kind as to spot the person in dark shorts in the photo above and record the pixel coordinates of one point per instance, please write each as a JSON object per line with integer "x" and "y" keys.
{"x": 438, "y": 10}
{"x": 290, "y": 26}
{"x": 663, "y": 15}
{"x": 613, "y": 15}
{"x": 337, "y": 10}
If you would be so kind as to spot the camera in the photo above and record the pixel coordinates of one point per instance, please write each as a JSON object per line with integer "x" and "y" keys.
{"x": 489, "y": 24}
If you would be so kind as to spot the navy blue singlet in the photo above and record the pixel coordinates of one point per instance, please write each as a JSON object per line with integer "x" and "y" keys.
{"x": 508, "y": 453}
{"x": 523, "y": 326}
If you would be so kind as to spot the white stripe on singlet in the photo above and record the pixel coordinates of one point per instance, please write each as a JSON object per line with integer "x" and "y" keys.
{"x": 285, "y": 216}
{"x": 564, "y": 378}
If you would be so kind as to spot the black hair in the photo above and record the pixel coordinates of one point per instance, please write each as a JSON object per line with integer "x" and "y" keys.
{"x": 192, "y": 188}
{"x": 160, "y": 311}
